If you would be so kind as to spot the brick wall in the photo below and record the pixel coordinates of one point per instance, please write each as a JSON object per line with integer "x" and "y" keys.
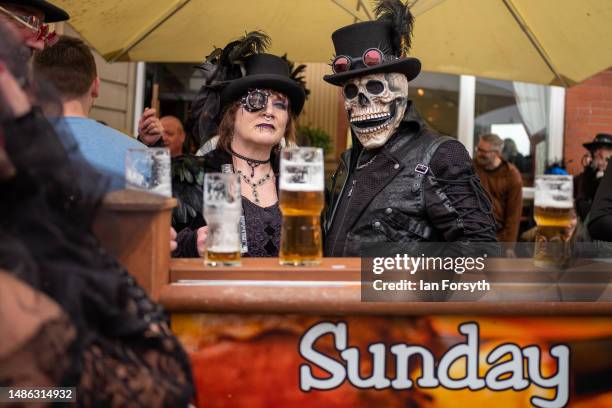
{"x": 588, "y": 111}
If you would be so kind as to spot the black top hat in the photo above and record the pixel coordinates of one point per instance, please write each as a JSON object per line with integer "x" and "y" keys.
{"x": 265, "y": 71}
{"x": 52, "y": 13}
{"x": 602, "y": 139}
{"x": 353, "y": 40}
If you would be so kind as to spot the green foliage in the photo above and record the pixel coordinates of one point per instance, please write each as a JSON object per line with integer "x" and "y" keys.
{"x": 314, "y": 137}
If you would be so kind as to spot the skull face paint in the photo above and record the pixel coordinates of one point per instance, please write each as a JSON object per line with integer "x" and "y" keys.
{"x": 375, "y": 105}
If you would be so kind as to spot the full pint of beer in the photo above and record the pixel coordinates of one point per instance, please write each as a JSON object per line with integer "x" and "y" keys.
{"x": 301, "y": 203}
{"x": 554, "y": 217}
{"x": 222, "y": 212}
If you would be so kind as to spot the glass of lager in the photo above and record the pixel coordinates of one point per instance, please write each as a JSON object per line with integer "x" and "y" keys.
{"x": 301, "y": 203}
{"x": 555, "y": 220}
{"x": 222, "y": 211}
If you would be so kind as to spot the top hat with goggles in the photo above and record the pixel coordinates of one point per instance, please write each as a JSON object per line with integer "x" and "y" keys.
{"x": 372, "y": 47}
{"x": 263, "y": 73}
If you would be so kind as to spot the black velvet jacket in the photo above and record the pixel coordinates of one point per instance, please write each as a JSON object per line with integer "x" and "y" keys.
{"x": 418, "y": 187}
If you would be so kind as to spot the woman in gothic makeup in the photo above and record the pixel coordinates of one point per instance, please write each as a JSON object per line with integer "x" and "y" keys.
{"x": 257, "y": 114}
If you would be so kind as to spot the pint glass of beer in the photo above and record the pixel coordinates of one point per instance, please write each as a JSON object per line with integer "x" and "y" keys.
{"x": 222, "y": 211}
{"x": 301, "y": 203}
{"x": 555, "y": 220}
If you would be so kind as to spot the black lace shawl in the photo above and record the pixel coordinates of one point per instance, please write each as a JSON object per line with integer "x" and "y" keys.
{"x": 46, "y": 240}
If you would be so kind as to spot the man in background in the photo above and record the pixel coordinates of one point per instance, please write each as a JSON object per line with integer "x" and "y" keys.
{"x": 70, "y": 67}
{"x": 173, "y": 135}
{"x": 503, "y": 182}
{"x": 587, "y": 182}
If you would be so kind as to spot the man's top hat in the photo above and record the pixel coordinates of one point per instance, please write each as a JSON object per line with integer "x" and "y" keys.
{"x": 52, "y": 13}
{"x": 355, "y": 39}
{"x": 265, "y": 71}
{"x": 602, "y": 139}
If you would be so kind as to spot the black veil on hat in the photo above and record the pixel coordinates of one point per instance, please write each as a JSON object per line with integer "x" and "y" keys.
{"x": 391, "y": 33}
{"x": 53, "y": 13}
{"x": 229, "y": 74}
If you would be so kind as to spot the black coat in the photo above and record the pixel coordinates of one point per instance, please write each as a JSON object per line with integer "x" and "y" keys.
{"x": 418, "y": 187}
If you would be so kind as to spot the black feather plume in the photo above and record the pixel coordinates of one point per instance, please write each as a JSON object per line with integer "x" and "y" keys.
{"x": 399, "y": 15}
{"x": 254, "y": 42}
{"x": 220, "y": 66}
{"x": 297, "y": 74}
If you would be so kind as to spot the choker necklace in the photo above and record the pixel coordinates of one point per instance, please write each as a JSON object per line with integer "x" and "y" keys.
{"x": 254, "y": 184}
{"x": 251, "y": 162}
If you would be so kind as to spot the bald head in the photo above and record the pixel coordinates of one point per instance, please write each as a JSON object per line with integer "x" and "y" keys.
{"x": 174, "y": 135}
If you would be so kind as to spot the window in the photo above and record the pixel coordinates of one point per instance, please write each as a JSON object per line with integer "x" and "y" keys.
{"x": 519, "y": 113}
{"x": 436, "y": 97}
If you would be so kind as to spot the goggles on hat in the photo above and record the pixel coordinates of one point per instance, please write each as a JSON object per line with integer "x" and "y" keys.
{"x": 370, "y": 58}
{"x": 34, "y": 24}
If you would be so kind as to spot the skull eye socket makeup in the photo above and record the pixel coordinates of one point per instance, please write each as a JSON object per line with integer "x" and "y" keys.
{"x": 350, "y": 91}
{"x": 375, "y": 87}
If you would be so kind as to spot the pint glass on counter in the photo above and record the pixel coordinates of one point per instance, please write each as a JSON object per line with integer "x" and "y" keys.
{"x": 555, "y": 220}
{"x": 222, "y": 211}
{"x": 301, "y": 203}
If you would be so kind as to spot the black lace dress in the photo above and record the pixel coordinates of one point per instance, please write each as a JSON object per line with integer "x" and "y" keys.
{"x": 110, "y": 340}
{"x": 263, "y": 226}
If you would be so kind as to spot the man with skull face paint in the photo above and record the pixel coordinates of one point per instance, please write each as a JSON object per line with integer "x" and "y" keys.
{"x": 400, "y": 182}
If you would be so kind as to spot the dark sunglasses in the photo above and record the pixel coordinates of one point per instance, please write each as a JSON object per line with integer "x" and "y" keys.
{"x": 371, "y": 57}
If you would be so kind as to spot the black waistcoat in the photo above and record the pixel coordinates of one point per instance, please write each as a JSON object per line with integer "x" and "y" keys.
{"x": 383, "y": 201}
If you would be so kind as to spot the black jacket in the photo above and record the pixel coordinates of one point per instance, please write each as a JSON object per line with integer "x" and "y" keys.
{"x": 418, "y": 187}
{"x": 600, "y": 225}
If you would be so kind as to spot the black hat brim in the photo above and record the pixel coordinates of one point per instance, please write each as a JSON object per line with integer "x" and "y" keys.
{"x": 411, "y": 67}
{"x": 237, "y": 88}
{"x": 53, "y": 13}
{"x": 595, "y": 145}
{"x": 601, "y": 139}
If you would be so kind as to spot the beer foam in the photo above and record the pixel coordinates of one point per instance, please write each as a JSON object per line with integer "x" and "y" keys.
{"x": 309, "y": 179}
{"x": 302, "y": 187}
{"x": 224, "y": 249}
{"x": 547, "y": 200}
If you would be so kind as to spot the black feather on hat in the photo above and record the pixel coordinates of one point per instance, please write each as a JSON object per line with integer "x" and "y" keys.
{"x": 230, "y": 73}
{"x": 391, "y": 33}
{"x": 219, "y": 67}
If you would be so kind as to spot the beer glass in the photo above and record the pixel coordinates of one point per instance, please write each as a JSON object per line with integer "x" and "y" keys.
{"x": 555, "y": 220}
{"x": 301, "y": 203}
{"x": 148, "y": 169}
{"x": 222, "y": 211}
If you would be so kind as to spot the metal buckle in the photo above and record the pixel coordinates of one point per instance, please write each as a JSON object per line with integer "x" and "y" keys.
{"x": 421, "y": 169}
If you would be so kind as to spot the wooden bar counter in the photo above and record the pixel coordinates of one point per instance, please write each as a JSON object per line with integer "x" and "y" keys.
{"x": 262, "y": 285}
{"x": 244, "y": 327}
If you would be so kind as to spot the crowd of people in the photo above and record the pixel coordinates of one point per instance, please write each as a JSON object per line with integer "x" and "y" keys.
{"x": 400, "y": 182}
